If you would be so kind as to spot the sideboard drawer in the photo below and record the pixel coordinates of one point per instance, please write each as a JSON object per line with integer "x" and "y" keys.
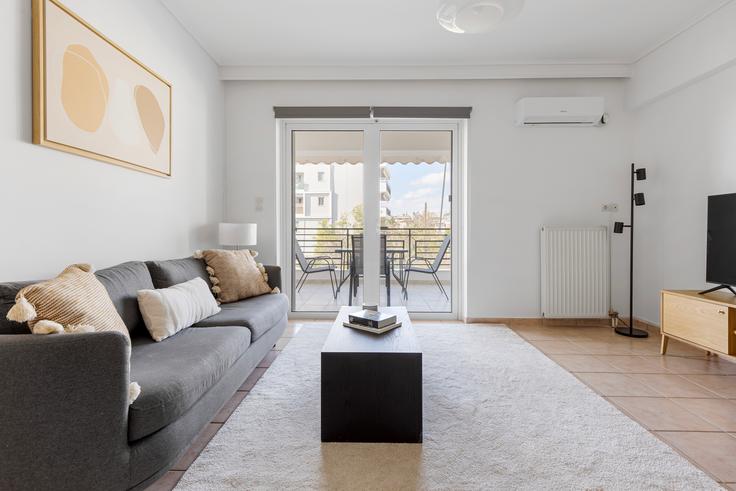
{"x": 703, "y": 323}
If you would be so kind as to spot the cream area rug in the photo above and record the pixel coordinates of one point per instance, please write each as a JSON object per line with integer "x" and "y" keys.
{"x": 498, "y": 414}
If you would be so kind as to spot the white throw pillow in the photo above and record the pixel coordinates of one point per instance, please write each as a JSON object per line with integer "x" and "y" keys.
{"x": 169, "y": 310}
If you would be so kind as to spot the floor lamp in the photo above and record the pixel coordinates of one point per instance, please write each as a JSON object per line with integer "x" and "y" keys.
{"x": 637, "y": 199}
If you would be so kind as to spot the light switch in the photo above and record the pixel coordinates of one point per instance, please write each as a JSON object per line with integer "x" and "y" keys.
{"x": 259, "y": 203}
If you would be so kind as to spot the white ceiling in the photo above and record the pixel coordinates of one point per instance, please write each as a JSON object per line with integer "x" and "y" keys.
{"x": 404, "y": 32}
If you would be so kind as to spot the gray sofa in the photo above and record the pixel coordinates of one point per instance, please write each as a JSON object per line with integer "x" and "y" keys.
{"x": 66, "y": 423}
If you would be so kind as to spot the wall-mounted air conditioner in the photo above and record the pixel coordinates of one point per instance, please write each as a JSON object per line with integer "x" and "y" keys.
{"x": 560, "y": 111}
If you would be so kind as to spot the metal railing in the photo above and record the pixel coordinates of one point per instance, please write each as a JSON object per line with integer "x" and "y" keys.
{"x": 422, "y": 243}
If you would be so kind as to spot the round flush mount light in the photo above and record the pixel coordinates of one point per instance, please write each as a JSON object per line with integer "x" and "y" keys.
{"x": 476, "y": 16}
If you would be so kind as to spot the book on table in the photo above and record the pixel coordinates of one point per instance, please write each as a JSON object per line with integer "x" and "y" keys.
{"x": 372, "y": 318}
{"x": 379, "y": 330}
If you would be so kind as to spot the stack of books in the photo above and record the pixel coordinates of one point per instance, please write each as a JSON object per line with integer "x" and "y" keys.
{"x": 372, "y": 321}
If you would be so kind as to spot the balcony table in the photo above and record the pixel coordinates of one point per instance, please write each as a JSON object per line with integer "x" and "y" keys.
{"x": 345, "y": 263}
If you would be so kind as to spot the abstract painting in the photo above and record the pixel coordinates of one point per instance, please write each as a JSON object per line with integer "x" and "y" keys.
{"x": 92, "y": 98}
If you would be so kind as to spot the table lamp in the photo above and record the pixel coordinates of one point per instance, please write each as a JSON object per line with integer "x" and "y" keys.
{"x": 238, "y": 234}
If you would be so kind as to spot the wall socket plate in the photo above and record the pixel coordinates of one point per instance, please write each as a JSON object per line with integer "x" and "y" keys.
{"x": 609, "y": 208}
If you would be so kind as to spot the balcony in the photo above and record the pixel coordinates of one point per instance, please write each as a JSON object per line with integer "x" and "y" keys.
{"x": 424, "y": 295}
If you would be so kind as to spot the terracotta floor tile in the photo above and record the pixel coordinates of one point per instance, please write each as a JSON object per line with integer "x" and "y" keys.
{"x": 702, "y": 365}
{"x": 562, "y": 323}
{"x": 196, "y": 447}
{"x": 250, "y": 382}
{"x": 561, "y": 347}
{"x": 634, "y": 363}
{"x": 658, "y": 413}
{"x": 603, "y": 347}
{"x": 582, "y": 363}
{"x": 720, "y": 412}
{"x": 537, "y": 333}
{"x": 616, "y": 384}
{"x": 671, "y": 385}
{"x": 712, "y": 451}
{"x": 723, "y": 385}
{"x": 167, "y": 482}
{"x": 268, "y": 359}
{"x": 678, "y": 348}
{"x": 592, "y": 335}
{"x": 224, "y": 413}
{"x": 646, "y": 348}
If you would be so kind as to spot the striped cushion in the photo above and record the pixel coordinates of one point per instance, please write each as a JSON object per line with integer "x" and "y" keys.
{"x": 74, "y": 299}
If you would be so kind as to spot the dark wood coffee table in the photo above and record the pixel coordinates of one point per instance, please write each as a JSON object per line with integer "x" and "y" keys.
{"x": 372, "y": 384}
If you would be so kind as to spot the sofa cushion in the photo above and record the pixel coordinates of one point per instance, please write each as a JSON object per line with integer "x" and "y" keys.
{"x": 174, "y": 271}
{"x": 167, "y": 311}
{"x": 259, "y": 314}
{"x": 122, "y": 283}
{"x": 176, "y": 372}
{"x": 8, "y": 291}
{"x": 73, "y": 301}
{"x": 235, "y": 274}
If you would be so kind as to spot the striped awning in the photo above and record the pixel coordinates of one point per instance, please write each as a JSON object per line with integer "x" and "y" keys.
{"x": 397, "y": 147}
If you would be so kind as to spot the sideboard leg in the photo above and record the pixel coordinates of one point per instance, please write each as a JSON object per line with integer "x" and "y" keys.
{"x": 663, "y": 349}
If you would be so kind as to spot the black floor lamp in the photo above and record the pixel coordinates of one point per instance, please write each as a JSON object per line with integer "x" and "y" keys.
{"x": 637, "y": 199}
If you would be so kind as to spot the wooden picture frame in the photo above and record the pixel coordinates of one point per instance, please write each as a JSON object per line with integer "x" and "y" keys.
{"x": 94, "y": 99}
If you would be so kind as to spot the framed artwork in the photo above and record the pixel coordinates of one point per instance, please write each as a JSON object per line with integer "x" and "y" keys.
{"x": 92, "y": 98}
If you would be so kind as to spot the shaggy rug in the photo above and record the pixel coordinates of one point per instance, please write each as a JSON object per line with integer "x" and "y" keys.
{"x": 498, "y": 414}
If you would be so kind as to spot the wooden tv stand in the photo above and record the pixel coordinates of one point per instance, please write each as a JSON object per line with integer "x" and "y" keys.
{"x": 705, "y": 321}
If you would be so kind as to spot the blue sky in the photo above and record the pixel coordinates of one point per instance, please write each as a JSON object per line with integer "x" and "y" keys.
{"x": 413, "y": 185}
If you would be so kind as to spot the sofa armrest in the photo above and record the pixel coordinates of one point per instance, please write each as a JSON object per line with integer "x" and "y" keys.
{"x": 274, "y": 276}
{"x": 64, "y": 400}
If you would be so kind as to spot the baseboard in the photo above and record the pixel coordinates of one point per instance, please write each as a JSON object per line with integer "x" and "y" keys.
{"x": 646, "y": 325}
{"x": 546, "y": 322}
{"x": 538, "y": 321}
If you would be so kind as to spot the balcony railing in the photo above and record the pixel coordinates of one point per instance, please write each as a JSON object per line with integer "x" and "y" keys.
{"x": 417, "y": 242}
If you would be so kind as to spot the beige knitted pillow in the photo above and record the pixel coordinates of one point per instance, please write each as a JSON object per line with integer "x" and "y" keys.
{"x": 74, "y": 301}
{"x": 235, "y": 275}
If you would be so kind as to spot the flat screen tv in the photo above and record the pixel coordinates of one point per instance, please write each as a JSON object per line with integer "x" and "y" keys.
{"x": 721, "y": 260}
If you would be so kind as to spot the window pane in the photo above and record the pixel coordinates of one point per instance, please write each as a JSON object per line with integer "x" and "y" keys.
{"x": 328, "y": 213}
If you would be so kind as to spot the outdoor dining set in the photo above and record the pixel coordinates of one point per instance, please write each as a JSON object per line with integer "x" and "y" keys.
{"x": 394, "y": 262}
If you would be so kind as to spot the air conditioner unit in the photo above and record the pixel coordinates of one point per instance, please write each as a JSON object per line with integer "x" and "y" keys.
{"x": 560, "y": 111}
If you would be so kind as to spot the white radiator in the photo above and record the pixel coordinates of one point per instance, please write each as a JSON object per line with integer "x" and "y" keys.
{"x": 575, "y": 272}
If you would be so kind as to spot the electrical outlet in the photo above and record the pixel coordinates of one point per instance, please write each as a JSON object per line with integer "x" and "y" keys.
{"x": 609, "y": 208}
{"x": 259, "y": 203}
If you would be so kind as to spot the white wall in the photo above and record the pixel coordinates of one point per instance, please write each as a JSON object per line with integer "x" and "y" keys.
{"x": 692, "y": 55}
{"x": 519, "y": 178}
{"x": 687, "y": 141}
{"x": 59, "y": 208}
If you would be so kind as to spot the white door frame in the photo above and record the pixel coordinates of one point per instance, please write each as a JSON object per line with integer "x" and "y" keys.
{"x": 372, "y": 129}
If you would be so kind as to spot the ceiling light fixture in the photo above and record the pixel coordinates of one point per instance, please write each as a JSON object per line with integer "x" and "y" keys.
{"x": 476, "y": 16}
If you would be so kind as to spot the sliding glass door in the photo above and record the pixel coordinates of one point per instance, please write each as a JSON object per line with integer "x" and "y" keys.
{"x": 416, "y": 219}
{"x": 327, "y": 210}
{"x": 371, "y": 213}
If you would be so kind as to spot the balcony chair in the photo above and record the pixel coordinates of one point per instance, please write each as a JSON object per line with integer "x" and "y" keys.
{"x": 356, "y": 267}
{"x": 431, "y": 267}
{"x": 308, "y": 267}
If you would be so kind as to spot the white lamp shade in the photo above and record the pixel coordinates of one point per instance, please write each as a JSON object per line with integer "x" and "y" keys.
{"x": 238, "y": 234}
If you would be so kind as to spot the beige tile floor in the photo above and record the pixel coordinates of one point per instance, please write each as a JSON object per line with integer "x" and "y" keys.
{"x": 686, "y": 399}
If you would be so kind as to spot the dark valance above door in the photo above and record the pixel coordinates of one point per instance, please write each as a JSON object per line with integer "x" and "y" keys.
{"x": 326, "y": 112}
